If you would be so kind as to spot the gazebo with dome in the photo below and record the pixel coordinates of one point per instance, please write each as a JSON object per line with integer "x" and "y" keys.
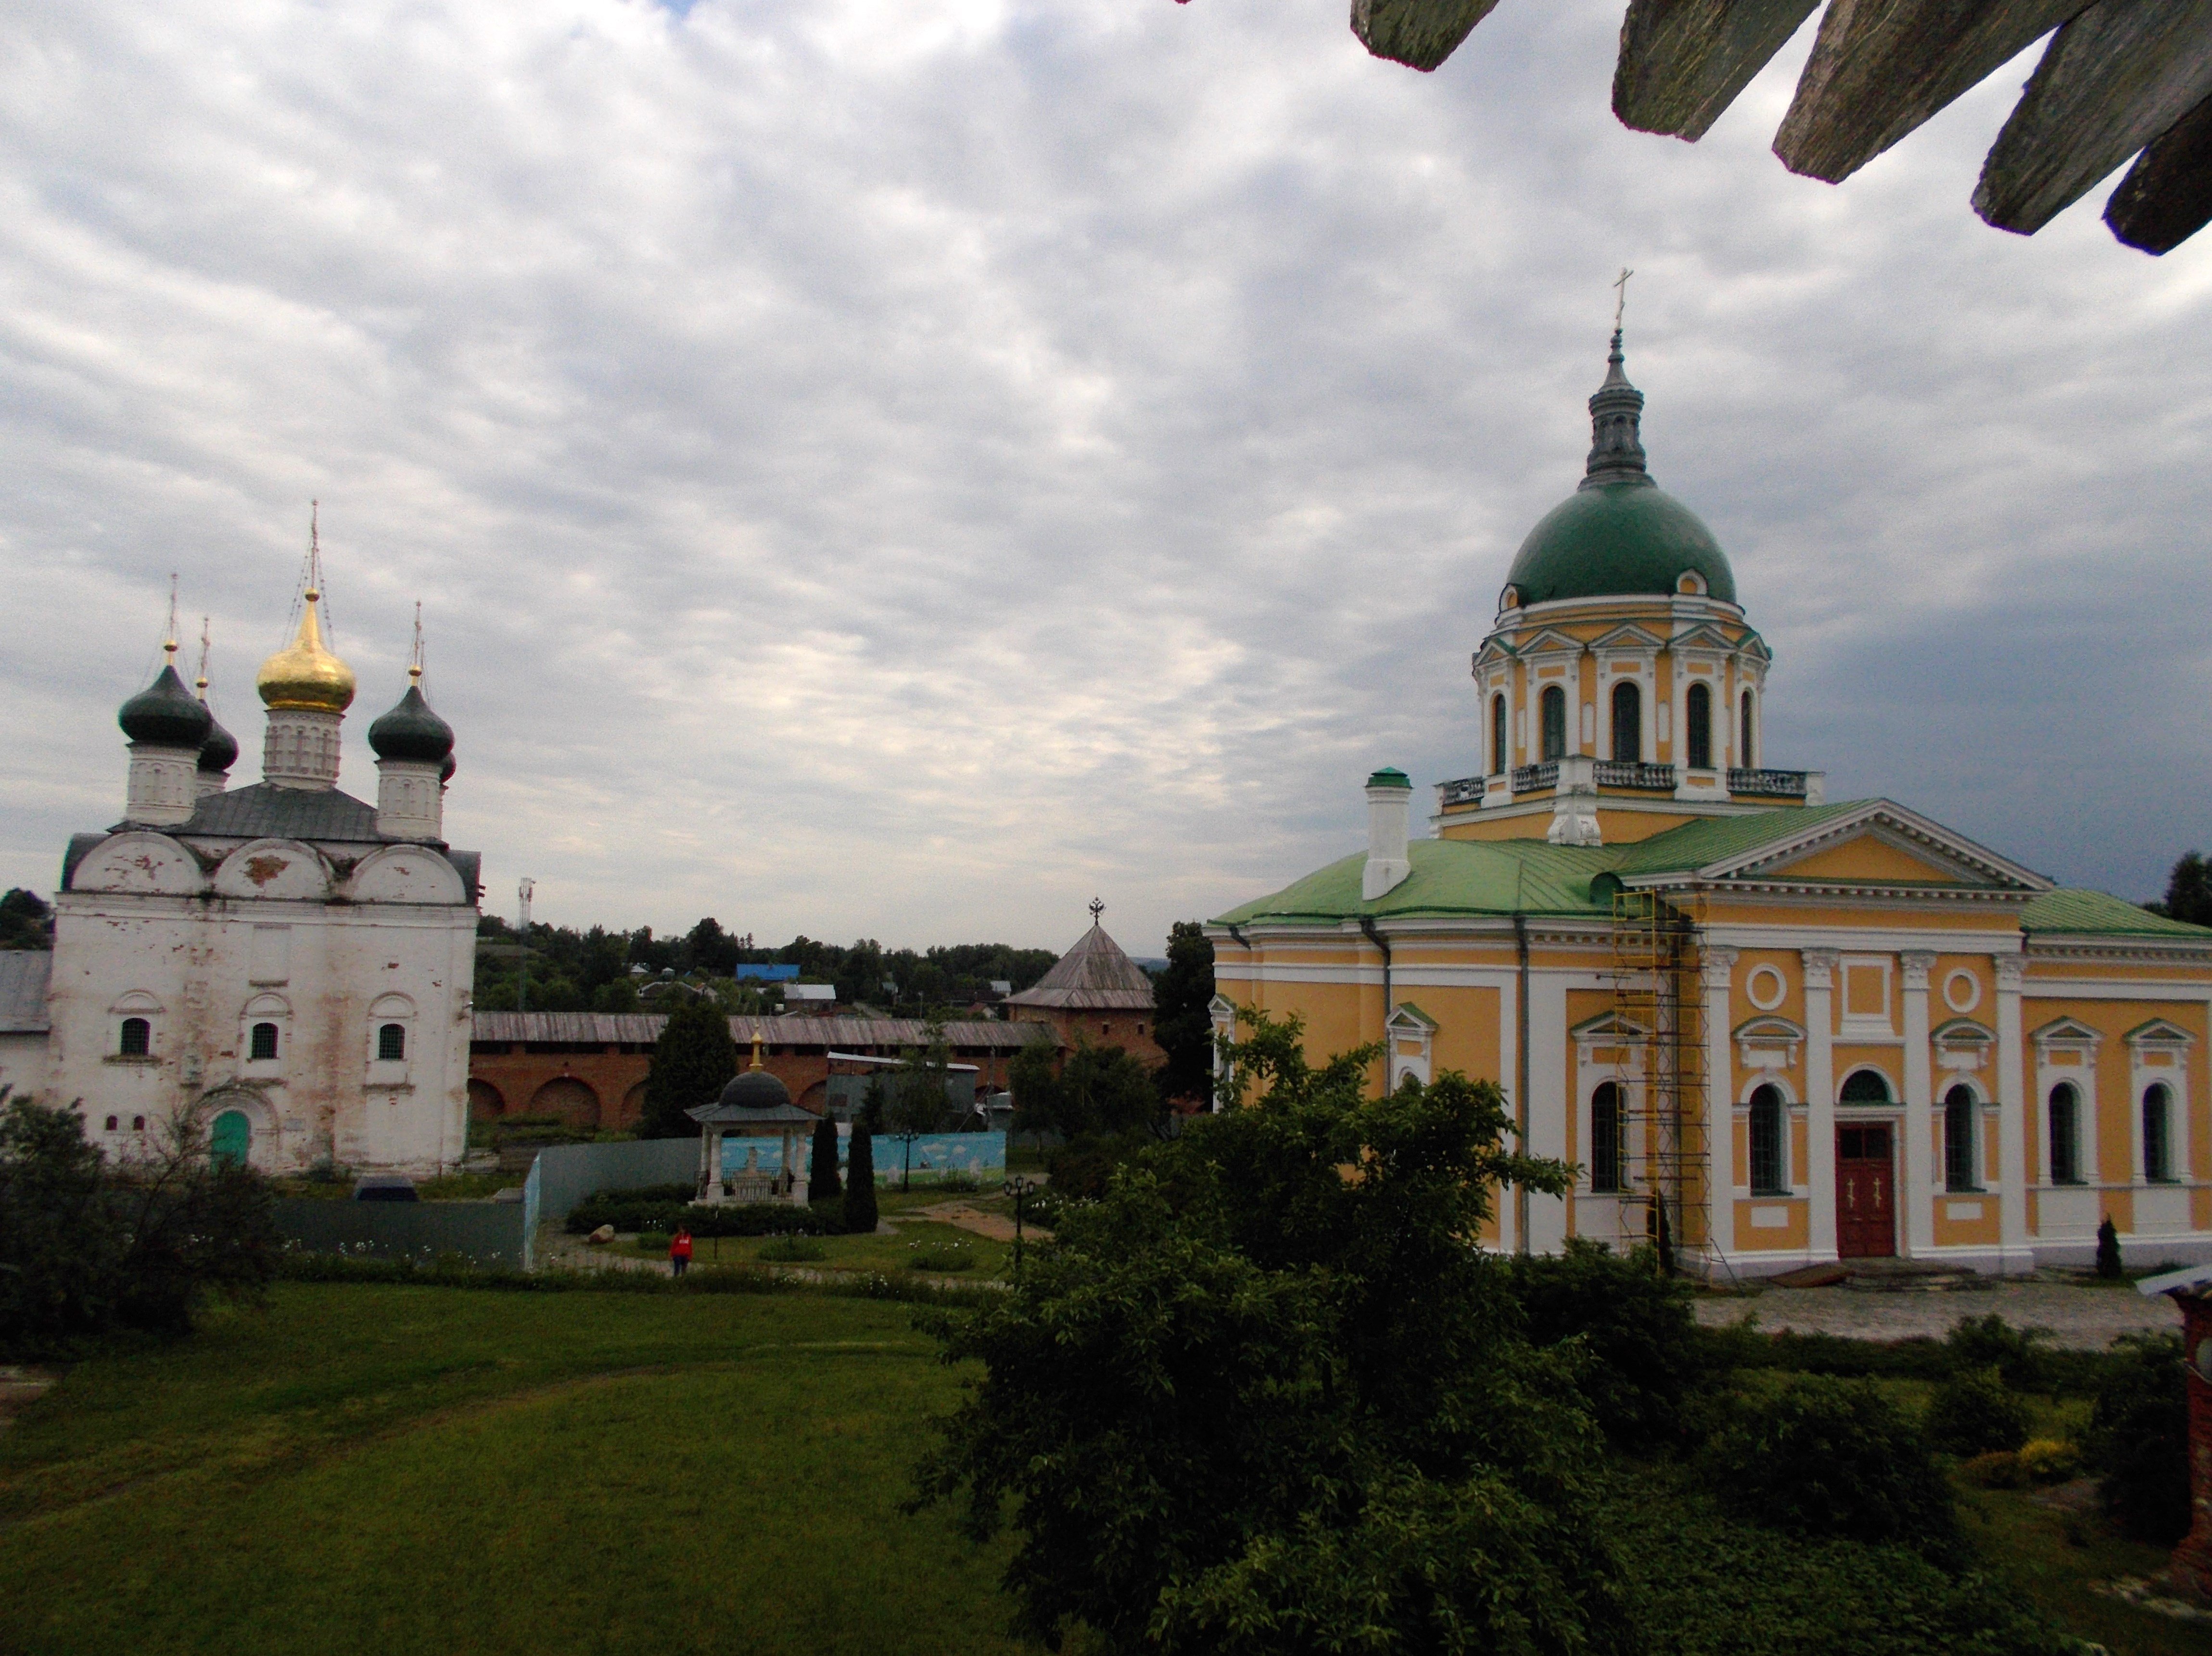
{"x": 754, "y": 1105}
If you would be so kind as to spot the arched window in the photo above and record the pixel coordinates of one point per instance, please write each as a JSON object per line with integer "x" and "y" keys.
{"x": 137, "y": 1124}
{"x": 1627, "y": 722}
{"x": 1604, "y": 1139}
{"x": 137, "y": 1039}
{"x": 1700, "y": 720}
{"x": 2065, "y": 1134}
{"x": 1864, "y": 1087}
{"x": 1499, "y": 758}
{"x": 1769, "y": 1176}
{"x": 1959, "y": 1173}
{"x": 112, "y": 1123}
{"x": 391, "y": 1043}
{"x": 1743, "y": 736}
{"x": 264, "y": 1046}
{"x": 1553, "y": 707}
{"x": 2158, "y": 1156}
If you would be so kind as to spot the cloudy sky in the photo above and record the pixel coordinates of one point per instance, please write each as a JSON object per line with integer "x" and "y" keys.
{"x": 900, "y": 467}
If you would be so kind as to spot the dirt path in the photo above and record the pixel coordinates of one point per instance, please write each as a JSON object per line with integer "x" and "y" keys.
{"x": 2082, "y": 1318}
{"x": 997, "y": 1227}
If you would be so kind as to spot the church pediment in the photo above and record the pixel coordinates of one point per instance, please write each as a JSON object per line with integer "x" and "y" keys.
{"x": 2158, "y": 1033}
{"x": 1880, "y": 843}
{"x": 1552, "y": 641}
{"x": 2065, "y": 1032}
{"x": 1632, "y": 638}
{"x": 1495, "y": 653}
{"x": 1609, "y": 1029}
{"x": 1704, "y": 636}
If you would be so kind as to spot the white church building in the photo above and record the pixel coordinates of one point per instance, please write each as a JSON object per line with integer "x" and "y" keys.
{"x": 293, "y": 962}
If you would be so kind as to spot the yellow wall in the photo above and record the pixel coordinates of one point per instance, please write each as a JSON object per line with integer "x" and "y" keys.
{"x": 1868, "y": 857}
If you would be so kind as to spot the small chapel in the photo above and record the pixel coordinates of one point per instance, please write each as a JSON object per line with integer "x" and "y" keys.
{"x": 1767, "y": 1029}
{"x": 291, "y": 962}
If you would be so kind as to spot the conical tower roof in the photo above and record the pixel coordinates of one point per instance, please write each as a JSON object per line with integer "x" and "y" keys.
{"x": 1093, "y": 976}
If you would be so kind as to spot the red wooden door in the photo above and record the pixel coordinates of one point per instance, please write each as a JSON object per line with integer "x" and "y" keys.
{"x": 1866, "y": 1193}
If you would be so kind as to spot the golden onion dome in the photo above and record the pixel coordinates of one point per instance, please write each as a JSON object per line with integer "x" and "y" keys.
{"x": 304, "y": 675}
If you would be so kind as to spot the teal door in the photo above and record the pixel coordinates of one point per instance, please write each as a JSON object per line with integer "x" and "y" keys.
{"x": 228, "y": 1141}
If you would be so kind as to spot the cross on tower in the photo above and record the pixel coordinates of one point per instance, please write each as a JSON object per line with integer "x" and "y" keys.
{"x": 1097, "y": 908}
{"x": 1620, "y": 306}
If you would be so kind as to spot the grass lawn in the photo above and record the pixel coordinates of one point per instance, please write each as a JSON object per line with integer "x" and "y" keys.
{"x": 919, "y": 1246}
{"x": 418, "y": 1468}
{"x": 2049, "y": 1558}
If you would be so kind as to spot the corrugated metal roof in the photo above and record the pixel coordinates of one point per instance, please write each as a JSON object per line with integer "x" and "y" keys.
{"x": 259, "y": 811}
{"x": 2099, "y": 914}
{"x": 643, "y": 1029}
{"x": 1449, "y": 876}
{"x": 23, "y": 977}
{"x": 1093, "y": 976}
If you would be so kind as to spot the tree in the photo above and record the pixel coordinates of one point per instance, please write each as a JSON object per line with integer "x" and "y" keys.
{"x": 918, "y": 1095}
{"x": 694, "y": 1059}
{"x": 861, "y": 1183}
{"x": 1244, "y": 1403}
{"x": 25, "y": 921}
{"x": 1033, "y": 1077}
{"x": 822, "y": 1167}
{"x": 87, "y": 1246}
{"x": 1182, "y": 1020}
{"x": 2188, "y": 892}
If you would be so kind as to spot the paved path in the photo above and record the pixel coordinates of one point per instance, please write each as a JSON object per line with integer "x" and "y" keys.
{"x": 998, "y": 1228}
{"x": 2082, "y": 1318}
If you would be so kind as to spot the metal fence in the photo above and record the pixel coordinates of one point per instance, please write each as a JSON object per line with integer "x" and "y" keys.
{"x": 489, "y": 1233}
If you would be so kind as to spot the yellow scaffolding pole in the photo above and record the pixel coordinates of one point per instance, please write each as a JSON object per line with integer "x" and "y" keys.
{"x": 1659, "y": 993}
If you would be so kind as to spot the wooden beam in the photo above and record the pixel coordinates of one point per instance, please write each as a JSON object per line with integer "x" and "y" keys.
{"x": 1421, "y": 33}
{"x": 2112, "y": 80}
{"x": 1682, "y": 62}
{"x": 1880, "y": 68}
{"x": 2166, "y": 197}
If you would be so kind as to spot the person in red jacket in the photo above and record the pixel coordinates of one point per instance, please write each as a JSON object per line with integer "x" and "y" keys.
{"x": 680, "y": 1251}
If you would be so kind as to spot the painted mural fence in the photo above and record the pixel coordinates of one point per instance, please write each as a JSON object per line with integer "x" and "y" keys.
{"x": 937, "y": 1156}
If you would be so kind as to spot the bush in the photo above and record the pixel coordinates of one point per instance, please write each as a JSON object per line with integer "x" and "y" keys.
{"x": 1973, "y": 1414}
{"x": 2138, "y": 1439}
{"x": 860, "y": 1210}
{"x": 1990, "y": 1342}
{"x": 1825, "y": 1457}
{"x": 1642, "y": 1352}
{"x": 2049, "y": 1460}
{"x": 2000, "y": 1469}
{"x": 86, "y": 1246}
{"x": 735, "y": 1219}
{"x": 2109, "y": 1264}
{"x": 1080, "y": 1173}
{"x": 791, "y": 1248}
{"x": 941, "y": 1256}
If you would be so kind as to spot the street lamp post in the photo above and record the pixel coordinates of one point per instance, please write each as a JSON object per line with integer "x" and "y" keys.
{"x": 1021, "y": 1189}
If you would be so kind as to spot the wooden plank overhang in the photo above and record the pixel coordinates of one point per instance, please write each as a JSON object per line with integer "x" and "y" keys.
{"x": 2120, "y": 78}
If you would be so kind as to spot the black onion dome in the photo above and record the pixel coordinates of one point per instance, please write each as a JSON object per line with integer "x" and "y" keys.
{"x": 411, "y": 731}
{"x": 756, "y": 1089}
{"x": 220, "y": 751}
{"x": 445, "y": 770}
{"x": 166, "y": 715}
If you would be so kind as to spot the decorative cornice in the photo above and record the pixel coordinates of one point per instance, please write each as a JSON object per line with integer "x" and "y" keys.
{"x": 1917, "y": 964}
{"x": 2011, "y": 973}
{"x": 1820, "y": 967}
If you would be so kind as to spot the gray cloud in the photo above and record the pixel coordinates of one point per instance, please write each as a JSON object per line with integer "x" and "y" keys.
{"x": 899, "y": 469}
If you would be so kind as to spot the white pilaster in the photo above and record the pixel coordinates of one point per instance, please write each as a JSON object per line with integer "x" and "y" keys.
{"x": 1548, "y": 1102}
{"x": 164, "y": 785}
{"x": 1919, "y": 1193}
{"x": 1720, "y": 1102}
{"x": 409, "y": 804}
{"x": 2017, "y": 1112}
{"x": 1820, "y": 1099}
{"x": 300, "y": 749}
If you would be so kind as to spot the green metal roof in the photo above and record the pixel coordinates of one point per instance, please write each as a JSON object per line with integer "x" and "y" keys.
{"x": 2099, "y": 913}
{"x": 1449, "y": 876}
{"x": 1618, "y": 538}
{"x": 1709, "y": 840}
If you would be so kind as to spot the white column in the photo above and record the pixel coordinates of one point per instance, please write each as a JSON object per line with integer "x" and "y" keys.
{"x": 1820, "y": 1099}
{"x": 1919, "y": 1195}
{"x": 1548, "y": 1102}
{"x": 1720, "y": 1102}
{"x": 714, "y": 1136}
{"x": 2017, "y": 1112}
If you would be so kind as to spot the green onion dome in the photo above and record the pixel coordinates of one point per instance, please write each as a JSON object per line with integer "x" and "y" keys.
{"x": 166, "y": 715}
{"x": 220, "y": 751}
{"x": 1619, "y": 533}
{"x": 412, "y": 730}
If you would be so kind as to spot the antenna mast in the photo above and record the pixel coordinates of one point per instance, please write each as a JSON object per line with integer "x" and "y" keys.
{"x": 522, "y": 988}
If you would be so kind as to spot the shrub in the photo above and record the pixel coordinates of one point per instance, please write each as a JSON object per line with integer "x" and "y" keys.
{"x": 2138, "y": 1439}
{"x": 1640, "y": 1343}
{"x": 1990, "y": 1342}
{"x": 821, "y": 1185}
{"x": 1972, "y": 1414}
{"x": 1826, "y": 1457}
{"x": 860, "y": 1213}
{"x": 2049, "y": 1460}
{"x": 1080, "y": 1173}
{"x": 2109, "y": 1264}
{"x": 788, "y": 1249}
{"x": 735, "y": 1219}
{"x": 2000, "y": 1469}
{"x": 941, "y": 1256}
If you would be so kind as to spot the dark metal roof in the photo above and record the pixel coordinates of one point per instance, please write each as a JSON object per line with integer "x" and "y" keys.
{"x": 1093, "y": 976}
{"x": 23, "y": 975}
{"x": 643, "y": 1029}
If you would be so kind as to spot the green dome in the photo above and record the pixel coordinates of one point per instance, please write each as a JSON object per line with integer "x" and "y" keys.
{"x": 1618, "y": 538}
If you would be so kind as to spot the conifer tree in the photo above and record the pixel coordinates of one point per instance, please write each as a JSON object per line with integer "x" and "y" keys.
{"x": 2109, "y": 1264}
{"x": 860, "y": 1184}
{"x": 694, "y": 1059}
{"x": 822, "y": 1170}
{"x": 1183, "y": 1023}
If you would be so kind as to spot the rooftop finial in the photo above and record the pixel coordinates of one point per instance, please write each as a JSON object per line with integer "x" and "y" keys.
{"x": 1097, "y": 908}
{"x": 200, "y": 684}
{"x": 169, "y": 632}
{"x": 1616, "y": 413}
{"x": 415, "y": 662}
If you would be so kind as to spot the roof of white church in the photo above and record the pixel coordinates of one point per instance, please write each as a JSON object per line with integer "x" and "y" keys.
{"x": 643, "y": 1029}
{"x": 1093, "y": 976}
{"x": 23, "y": 975}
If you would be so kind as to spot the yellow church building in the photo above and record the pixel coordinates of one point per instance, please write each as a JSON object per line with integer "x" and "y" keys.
{"x": 1785, "y": 1030}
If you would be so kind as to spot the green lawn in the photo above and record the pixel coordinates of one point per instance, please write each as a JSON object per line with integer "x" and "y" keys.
{"x": 404, "y": 1469}
{"x": 919, "y": 1246}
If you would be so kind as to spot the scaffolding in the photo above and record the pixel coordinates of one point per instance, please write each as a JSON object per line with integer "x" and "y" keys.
{"x": 1658, "y": 989}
